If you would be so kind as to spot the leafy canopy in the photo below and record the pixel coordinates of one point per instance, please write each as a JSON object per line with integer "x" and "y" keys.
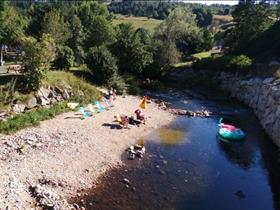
{"x": 55, "y": 25}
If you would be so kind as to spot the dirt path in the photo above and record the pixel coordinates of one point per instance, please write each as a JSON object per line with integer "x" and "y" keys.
{"x": 67, "y": 154}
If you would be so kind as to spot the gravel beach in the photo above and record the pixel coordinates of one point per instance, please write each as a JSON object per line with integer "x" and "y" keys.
{"x": 64, "y": 156}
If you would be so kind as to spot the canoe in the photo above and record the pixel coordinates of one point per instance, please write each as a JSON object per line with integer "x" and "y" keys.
{"x": 230, "y": 132}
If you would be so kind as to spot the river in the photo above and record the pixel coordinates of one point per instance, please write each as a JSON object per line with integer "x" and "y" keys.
{"x": 186, "y": 167}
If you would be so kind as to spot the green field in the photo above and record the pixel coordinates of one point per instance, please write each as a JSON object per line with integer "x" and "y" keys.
{"x": 138, "y": 22}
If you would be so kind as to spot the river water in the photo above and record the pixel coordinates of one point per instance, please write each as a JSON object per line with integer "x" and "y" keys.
{"x": 187, "y": 167}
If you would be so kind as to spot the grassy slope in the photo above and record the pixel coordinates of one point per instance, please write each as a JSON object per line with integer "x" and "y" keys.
{"x": 138, "y": 22}
{"x": 59, "y": 79}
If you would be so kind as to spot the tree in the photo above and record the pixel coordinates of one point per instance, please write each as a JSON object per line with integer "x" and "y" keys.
{"x": 100, "y": 32}
{"x": 55, "y": 25}
{"x": 134, "y": 55}
{"x": 163, "y": 56}
{"x": 36, "y": 59}
{"x": 11, "y": 28}
{"x": 204, "y": 16}
{"x": 77, "y": 38}
{"x": 65, "y": 58}
{"x": 102, "y": 64}
{"x": 37, "y": 14}
{"x": 180, "y": 30}
{"x": 251, "y": 20}
{"x": 90, "y": 9}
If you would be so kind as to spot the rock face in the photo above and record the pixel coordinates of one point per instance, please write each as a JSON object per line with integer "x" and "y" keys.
{"x": 263, "y": 95}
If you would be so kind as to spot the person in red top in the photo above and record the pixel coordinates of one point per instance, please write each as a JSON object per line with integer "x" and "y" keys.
{"x": 140, "y": 116}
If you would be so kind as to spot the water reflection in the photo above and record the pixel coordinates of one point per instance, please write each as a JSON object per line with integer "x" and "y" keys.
{"x": 239, "y": 153}
{"x": 170, "y": 136}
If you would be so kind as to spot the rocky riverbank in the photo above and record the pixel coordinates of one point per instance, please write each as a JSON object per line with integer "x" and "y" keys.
{"x": 42, "y": 167}
{"x": 262, "y": 94}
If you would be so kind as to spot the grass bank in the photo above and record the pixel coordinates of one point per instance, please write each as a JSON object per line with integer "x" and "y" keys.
{"x": 63, "y": 79}
{"x": 55, "y": 79}
{"x": 32, "y": 118}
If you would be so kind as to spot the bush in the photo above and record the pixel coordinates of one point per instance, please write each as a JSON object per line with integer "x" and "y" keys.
{"x": 102, "y": 64}
{"x": 133, "y": 86}
{"x": 65, "y": 58}
{"x": 241, "y": 62}
{"x": 224, "y": 63}
{"x": 36, "y": 60}
{"x": 118, "y": 83}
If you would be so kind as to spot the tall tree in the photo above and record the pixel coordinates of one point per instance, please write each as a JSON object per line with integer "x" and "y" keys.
{"x": 251, "y": 20}
{"x": 132, "y": 53}
{"x": 180, "y": 29}
{"x": 55, "y": 25}
{"x": 90, "y": 9}
{"x": 37, "y": 14}
{"x": 77, "y": 38}
{"x": 100, "y": 32}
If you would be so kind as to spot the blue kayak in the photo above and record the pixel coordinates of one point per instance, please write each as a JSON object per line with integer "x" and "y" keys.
{"x": 230, "y": 134}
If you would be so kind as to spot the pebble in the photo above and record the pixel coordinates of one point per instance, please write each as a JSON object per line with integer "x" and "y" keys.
{"x": 126, "y": 181}
{"x": 76, "y": 206}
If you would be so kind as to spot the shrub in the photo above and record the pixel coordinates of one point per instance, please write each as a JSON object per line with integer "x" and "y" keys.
{"x": 65, "y": 58}
{"x": 102, "y": 64}
{"x": 133, "y": 86}
{"x": 241, "y": 62}
{"x": 224, "y": 63}
{"x": 118, "y": 83}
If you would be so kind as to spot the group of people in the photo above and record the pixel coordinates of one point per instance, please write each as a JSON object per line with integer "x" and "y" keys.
{"x": 137, "y": 119}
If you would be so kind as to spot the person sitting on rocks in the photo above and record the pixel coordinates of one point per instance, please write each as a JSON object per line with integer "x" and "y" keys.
{"x": 140, "y": 116}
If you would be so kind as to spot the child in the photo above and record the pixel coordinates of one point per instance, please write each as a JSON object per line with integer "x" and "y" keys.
{"x": 125, "y": 121}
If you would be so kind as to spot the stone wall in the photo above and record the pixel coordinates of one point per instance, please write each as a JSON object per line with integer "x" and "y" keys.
{"x": 261, "y": 94}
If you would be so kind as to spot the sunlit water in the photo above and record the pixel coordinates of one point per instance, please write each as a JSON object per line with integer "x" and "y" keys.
{"x": 187, "y": 167}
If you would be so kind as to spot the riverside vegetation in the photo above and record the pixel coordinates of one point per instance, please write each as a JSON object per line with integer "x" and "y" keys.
{"x": 86, "y": 36}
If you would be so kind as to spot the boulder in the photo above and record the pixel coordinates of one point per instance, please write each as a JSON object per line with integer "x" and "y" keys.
{"x": 268, "y": 80}
{"x": 3, "y": 116}
{"x": 18, "y": 108}
{"x": 53, "y": 100}
{"x": 58, "y": 90}
{"x": 43, "y": 92}
{"x": 44, "y": 101}
{"x": 65, "y": 94}
{"x": 31, "y": 102}
{"x": 80, "y": 93}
